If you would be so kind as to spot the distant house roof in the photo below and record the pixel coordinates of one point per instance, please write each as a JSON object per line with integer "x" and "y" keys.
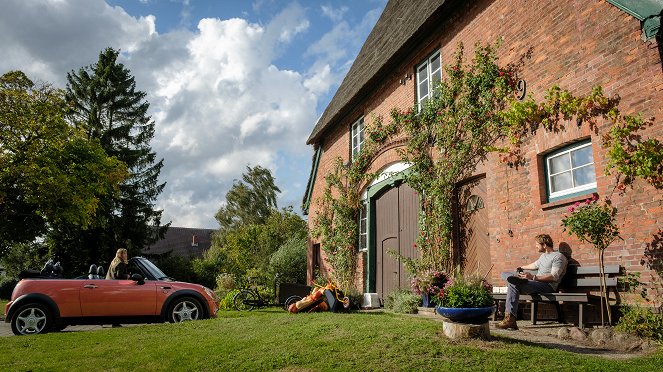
{"x": 182, "y": 241}
{"x": 401, "y": 25}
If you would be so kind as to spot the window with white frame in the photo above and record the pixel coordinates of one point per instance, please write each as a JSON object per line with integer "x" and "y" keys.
{"x": 357, "y": 136}
{"x": 429, "y": 74}
{"x": 363, "y": 230}
{"x": 570, "y": 171}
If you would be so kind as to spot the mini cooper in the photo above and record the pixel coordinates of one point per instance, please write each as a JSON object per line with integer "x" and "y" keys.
{"x": 43, "y": 302}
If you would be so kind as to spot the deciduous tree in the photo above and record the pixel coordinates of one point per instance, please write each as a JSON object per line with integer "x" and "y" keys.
{"x": 50, "y": 172}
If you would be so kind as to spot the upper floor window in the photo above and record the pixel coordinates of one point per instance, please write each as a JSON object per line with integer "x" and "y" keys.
{"x": 363, "y": 231}
{"x": 357, "y": 137}
{"x": 429, "y": 74}
{"x": 570, "y": 171}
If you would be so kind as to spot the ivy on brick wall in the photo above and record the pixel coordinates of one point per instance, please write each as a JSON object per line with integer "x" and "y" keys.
{"x": 473, "y": 112}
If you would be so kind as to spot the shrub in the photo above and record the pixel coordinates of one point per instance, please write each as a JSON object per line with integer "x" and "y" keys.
{"x": 7, "y": 285}
{"x": 641, "y": 322}
{"x": 177, "y": 267}
{"x": 290, "y": 261}
{"x": 225, "y": 283}
{"x": 465, "y": 292}
{"x": 226, "y": 302}
{"x": 429, "y": 281}
{"x": 402, "y": 301}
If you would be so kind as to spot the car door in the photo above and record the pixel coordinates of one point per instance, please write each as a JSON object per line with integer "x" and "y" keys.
{"x": 101, "y": 297}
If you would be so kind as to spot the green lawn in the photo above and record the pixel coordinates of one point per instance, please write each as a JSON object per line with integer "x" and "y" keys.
{"x": 276, "y": 340}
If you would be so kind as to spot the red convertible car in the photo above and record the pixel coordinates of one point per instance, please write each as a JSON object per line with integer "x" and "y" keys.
{"x": 42, "y": 303}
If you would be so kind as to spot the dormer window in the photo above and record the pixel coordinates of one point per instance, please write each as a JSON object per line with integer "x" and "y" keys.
{"x": 194, "y": 240}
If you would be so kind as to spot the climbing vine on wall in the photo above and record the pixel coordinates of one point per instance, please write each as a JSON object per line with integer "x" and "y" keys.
{"x": 474, "y": 111}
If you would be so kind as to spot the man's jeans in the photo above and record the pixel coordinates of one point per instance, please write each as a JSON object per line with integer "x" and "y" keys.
{"x": 514, "y": 291}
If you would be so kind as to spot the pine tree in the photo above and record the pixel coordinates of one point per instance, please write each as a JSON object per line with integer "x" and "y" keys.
{"x": 106, "y": 105}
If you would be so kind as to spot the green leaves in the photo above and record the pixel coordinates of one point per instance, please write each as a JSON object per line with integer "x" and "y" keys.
{"x": 50, "y": 173}
{"x": 592, "y": 222}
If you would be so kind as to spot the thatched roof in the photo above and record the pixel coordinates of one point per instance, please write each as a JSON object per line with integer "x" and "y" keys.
{"x": 401, "y": 26}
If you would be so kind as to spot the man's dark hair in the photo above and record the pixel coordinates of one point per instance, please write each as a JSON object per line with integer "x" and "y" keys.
{"x": 544, "y": 239}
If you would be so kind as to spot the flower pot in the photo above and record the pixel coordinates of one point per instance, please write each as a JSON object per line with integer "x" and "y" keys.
{"x": 426, "y": 300}
{"x": 466, "y": 314}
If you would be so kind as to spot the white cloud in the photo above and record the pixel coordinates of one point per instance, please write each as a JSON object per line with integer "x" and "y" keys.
{"x": 335, "y": 15}
{"x": 217, "y": 97}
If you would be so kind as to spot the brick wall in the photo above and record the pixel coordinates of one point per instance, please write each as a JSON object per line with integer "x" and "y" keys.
{"x": 576, "y": 45}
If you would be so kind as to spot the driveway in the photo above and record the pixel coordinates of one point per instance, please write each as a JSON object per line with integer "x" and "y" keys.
{"x": 6, "y": 331}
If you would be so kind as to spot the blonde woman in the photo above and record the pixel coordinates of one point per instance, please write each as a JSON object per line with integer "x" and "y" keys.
{"x": 118, "y": 267}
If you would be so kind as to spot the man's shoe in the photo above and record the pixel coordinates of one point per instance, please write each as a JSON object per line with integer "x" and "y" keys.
{"x": 509, "y": 322}
{"x": 516, "y": 280}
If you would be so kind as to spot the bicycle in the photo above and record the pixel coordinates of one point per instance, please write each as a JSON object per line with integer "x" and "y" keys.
{"x": 248, "y": 298}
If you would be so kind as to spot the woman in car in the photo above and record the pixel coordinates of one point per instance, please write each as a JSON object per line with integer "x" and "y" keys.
{"x": 118, "y": 267}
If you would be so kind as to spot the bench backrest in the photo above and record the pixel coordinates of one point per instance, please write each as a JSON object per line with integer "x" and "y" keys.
{"x": 589, "y": 276}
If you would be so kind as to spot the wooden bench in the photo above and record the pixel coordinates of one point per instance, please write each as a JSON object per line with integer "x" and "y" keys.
{"x": 575, "y": 287}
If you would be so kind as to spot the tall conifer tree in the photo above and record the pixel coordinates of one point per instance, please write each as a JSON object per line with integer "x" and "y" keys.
{"x": 107, "y": 106}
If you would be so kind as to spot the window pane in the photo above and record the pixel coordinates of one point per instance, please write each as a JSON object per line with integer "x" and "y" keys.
{"x": 362, "y": 242}
{"x": 423, "y": 90}
{"x": 422, "y": 73}
{"x": 561, "y": 182}
{"x": 582, "y": 156}
{"x": 435, "y": 63}
{"x": 584, "y": 175}
{"x": 437, "y": 76}
{"x": 559, "y": 163}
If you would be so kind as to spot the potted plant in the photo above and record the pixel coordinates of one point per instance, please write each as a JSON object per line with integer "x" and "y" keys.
{"x": 428, "y": 284}
{"x": 465, "y": 299}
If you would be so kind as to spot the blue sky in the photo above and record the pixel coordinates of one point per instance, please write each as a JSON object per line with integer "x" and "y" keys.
{"x": 230, "y": 83}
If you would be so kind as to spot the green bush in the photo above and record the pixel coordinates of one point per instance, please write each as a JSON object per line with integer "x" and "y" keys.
{"x": 226, "y": 302}
{"x": 177, "y": 267}
{"x": 225, "y": 283}
{"x": 641, "y": 322}
{"x": 290, "y": 261}
{"x": 402, "y": 301}
{"x": 465, "y": 292}
{"x": 7, "y": 285}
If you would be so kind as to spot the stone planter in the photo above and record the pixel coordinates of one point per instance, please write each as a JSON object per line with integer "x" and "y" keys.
{"x": 459, "y": 323}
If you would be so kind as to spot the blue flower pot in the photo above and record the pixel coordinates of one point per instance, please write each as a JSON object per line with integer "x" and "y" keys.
{"x": 466, "y": 314}
{"x": 426, "y": 300}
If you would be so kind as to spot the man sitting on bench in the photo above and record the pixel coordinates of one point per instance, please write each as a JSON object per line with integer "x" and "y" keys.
{"x": 551, "y": 267}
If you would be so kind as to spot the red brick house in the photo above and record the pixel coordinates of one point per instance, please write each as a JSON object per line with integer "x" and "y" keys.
{"x": 574, "y": 44}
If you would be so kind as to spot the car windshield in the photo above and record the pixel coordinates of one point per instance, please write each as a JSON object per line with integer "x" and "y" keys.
{"x": 153, "y": 269}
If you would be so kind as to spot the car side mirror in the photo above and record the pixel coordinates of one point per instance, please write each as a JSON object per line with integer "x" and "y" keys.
{"x": 138, "y": 279}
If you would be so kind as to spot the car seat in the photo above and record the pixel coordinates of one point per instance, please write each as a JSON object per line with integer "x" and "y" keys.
{"x": 100, "y": 272}
{"x": 92, "y": 273}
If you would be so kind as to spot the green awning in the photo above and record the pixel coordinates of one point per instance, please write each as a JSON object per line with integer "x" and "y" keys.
{"x": 647, "y": 11}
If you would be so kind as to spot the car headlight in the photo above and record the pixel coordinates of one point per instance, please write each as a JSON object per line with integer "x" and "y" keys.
{"x": 211, "y": 294}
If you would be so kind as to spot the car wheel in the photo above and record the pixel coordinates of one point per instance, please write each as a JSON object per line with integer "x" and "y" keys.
{"x": 245, "y": 301}
{"x": 291, "y": 300}
{"x": 185, "y": 308}
{"x": 31, "y": 319}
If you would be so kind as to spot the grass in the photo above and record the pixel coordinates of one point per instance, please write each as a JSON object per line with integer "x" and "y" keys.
{"x": 2, "y": 309}
{"x": 275, "y": 340}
